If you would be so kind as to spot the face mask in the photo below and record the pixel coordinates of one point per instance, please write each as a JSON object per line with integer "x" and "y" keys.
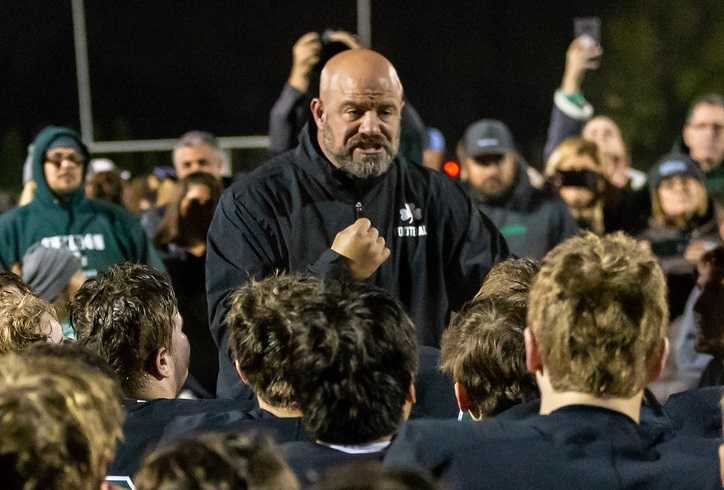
{"x": 577, "y": 178}
{"x": 197, "y": 219}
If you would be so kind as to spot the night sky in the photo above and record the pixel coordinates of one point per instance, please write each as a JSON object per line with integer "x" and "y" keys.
{"x": 160, "y": 68}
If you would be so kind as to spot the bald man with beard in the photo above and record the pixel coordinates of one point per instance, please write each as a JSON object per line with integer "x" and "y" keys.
{"x": 344, "y": 204}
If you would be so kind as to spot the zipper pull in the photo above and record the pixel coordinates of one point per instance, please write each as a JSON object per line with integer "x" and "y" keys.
{"x": 358, "y": 210}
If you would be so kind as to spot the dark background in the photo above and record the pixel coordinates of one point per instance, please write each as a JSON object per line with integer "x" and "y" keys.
{"x": 160, "y": 68}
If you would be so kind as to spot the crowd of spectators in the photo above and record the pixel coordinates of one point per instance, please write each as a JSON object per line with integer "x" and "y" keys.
{"x": 354, "y": 314}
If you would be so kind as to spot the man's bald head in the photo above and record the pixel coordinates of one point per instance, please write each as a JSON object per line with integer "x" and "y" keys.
{"x": 358, "y": 112}
{"x": 359, "y": 68}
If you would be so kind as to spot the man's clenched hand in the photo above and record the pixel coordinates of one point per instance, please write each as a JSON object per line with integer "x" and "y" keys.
{"x": 363, "y": 247}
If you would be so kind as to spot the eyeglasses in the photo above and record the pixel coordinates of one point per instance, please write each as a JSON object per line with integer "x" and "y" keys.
{"x": 57, "y": 160}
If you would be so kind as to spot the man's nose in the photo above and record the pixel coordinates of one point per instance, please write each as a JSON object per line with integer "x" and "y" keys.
{"x": 370, "y": 123}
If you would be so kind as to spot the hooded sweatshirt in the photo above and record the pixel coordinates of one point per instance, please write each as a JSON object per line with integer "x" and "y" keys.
{"x": 100, "y": 234}
{"x": 531, "y": 220}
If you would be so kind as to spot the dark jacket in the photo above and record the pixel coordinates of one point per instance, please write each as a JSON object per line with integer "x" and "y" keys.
{"x": 188, "y": 274}
{"x": 310, "y": 461}
{"x": 574, "y": 447}
{"x": 100, "y": 233}
{"x": 531, "y": 220}
{"x": 285, "y": 215}
{"x": 144, "y": 426}
{"x": 669, "y": 243}
{"x": 280, "y": 429}
{"x": 696, "y": 412}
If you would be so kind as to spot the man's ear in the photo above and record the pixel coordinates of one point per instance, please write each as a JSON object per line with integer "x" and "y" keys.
{"x": 161, "y": 365}
{"x": 317, "y": 107}
{"x": 658, "y": 364}
{"x": 241, "y": 374}
{"x": 412, "y": 394}
{"x": 532, "y": 356}
{"x": 461, "y": 395}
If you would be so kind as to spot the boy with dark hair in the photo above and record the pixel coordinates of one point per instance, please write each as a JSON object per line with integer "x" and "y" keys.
{"x": 354, "y": 359}
{"x": 128, "y": 315}
{"x": 261, "y": 322}
{"x": 220, "y": 461}
{"x": 596, "y": 336}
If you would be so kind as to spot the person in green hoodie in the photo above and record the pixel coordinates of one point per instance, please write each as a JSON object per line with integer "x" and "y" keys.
{"x": 60, "y": 216}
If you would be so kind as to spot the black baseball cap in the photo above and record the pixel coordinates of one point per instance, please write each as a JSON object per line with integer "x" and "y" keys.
{"x": 487, "y": 137}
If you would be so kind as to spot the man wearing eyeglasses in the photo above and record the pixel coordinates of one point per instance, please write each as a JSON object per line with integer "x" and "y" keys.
{"x": 531, "y": 220}
{"x": 60, "y": 216}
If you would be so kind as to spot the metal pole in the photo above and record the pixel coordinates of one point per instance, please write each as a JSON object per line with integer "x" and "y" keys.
{"x": 364, "y": 22}
{"x": 81, "y": 69}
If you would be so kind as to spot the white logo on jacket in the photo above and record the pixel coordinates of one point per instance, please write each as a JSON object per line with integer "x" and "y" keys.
{"x": 409, "y": 214}
{"x": 76, "y": 243}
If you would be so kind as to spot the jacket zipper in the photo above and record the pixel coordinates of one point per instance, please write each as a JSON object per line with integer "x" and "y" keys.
{"x": 358, "y": 210}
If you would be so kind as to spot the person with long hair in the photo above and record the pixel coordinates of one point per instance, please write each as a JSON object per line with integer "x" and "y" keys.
{"x": 181, "y": 241}
{"x": 683, "y": 224}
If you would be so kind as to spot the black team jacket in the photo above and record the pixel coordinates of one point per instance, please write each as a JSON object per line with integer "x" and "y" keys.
{"x": 285, "y": 215}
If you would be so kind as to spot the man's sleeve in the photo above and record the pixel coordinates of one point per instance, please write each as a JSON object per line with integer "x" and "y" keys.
{"x": 239, "y": 246}
{"x": 568, "y": 116}
{"x": 8, "y": 244}
{"x": 481, "y": 247}
{"x": 286, "y": 118}
{"x": 425, "y": 445}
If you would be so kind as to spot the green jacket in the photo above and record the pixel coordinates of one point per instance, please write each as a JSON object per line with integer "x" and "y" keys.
{"x": 100, "y": 233}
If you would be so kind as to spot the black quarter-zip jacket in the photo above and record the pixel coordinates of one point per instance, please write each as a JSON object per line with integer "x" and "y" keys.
{"x": 284, "y": 216}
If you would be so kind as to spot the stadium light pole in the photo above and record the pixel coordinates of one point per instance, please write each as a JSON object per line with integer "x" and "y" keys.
{"x": 82, "y": 72}
{"x": 364, "y": 22}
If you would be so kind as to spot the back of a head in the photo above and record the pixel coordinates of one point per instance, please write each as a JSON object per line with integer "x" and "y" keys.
{"x": 125, "y": 314}
{"x": 24, "y": 319}
{"x": 261, "y": 319}
{"x": 511, "y": 280}
{"x": 216, "y": 462}
{"x": 59, "y": 422}
{"x": 371, "y": 475}
{"x": 599, "y": 315}
{"x": 484, "y": 351}
{"x": 9, "y": 280}
{"x": 355, "y": 358}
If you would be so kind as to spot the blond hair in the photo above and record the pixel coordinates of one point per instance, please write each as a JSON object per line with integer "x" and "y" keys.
{"x": 60, "y": 422}
{"x": 570, "y": 148}
{"x": 21, "y": 317}
{"x": 598, "y": 311}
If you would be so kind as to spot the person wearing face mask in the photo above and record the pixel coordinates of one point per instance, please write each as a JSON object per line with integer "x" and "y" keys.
{"x": 574, "y": 170}
{"x": 682, "y": 219}
{"x": 181, "y": 241}
{"x": 572, "y": 115}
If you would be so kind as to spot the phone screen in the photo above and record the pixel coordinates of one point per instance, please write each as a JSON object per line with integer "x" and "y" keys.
{"x": 590, "y": 26}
